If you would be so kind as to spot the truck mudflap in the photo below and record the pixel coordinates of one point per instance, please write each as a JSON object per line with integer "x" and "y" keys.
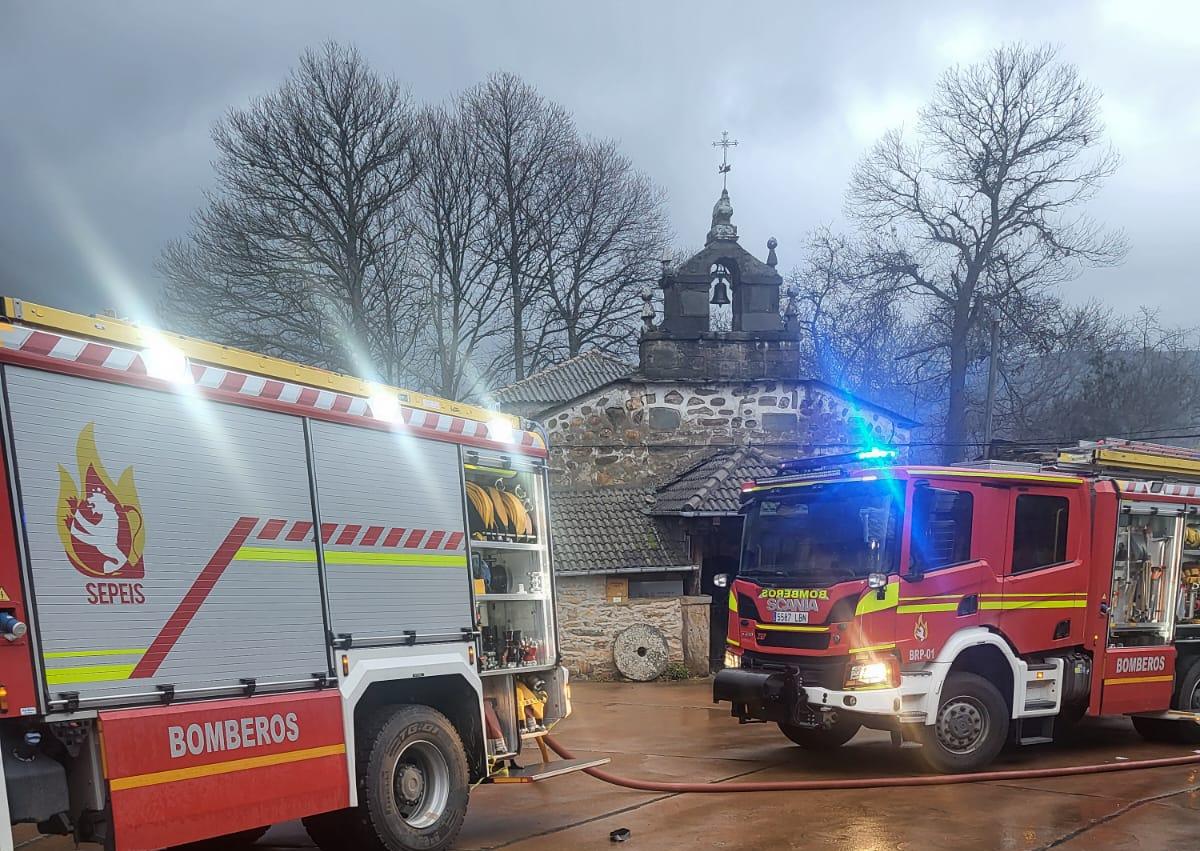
{"x": 185, "y": 772}
{"x": 762, "y": 696}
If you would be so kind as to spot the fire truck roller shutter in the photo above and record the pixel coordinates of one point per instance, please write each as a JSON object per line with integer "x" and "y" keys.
{"x": 406, "y": 569}
{"x": 140, "y": 506}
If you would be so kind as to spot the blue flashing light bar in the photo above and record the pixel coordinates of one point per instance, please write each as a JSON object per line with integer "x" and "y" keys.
{"x": 872, "y": 455}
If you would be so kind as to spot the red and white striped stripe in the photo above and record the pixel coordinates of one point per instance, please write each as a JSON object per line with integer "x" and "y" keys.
{"x": 360, "y": 535}
{"x": 1165, "y": 489}
{"x": 58, "y": 347}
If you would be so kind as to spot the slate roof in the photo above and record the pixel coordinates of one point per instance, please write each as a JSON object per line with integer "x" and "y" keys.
{"x": 712, "y": 486}
{"x": 565, "y": 381}
{"x": 607, "y": 530}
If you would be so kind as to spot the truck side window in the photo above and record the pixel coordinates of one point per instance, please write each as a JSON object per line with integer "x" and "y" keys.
{"x": 941, "y": 527}
{"x": 1040, "y": 531}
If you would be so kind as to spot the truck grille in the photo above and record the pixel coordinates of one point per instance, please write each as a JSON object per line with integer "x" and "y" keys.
{"x": 793, "y": 640}
{"x": 827, "y": 673}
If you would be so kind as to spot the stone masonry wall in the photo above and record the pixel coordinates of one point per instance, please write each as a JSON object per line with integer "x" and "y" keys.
{"x": 588, "y": 623}
{"x": 634, "y": 432}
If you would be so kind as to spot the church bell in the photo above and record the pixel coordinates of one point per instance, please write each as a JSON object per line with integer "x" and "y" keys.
{"x": 720, "y": 290}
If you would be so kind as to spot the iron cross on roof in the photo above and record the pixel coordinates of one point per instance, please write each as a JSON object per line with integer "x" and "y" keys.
{"x": 725, "y": 144}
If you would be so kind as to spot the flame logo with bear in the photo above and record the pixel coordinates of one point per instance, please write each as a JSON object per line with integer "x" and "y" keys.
{"x": 99, "y": 522}
{"x": 921, "y": 629}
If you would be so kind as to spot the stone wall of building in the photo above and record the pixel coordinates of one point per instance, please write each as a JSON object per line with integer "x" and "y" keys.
{"x": 696, "y": 617}
{"x": 588, "y": 623}
{"x": 641, "y": 432}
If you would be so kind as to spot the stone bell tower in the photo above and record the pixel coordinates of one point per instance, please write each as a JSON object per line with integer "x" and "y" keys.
{"x": 760, "y": 344}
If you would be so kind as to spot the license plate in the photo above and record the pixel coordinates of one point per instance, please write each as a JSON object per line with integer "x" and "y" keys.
{"x": 791, "y": 617}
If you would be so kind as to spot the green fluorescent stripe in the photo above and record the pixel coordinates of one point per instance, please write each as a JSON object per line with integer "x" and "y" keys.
{"x": 395, "y": 559}
{"x": 88, "y": 674}
{"x": 926, "y": 607}
{"x": 288, "y": 555}
{"x": 71, "y": 654}
{"x": 1010, "y": 605}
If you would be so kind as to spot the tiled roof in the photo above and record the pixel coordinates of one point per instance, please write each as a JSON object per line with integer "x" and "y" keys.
{"x": 713, "y": 486}
{"x": 607, "y": 530}
{"x": 565, "y": 381}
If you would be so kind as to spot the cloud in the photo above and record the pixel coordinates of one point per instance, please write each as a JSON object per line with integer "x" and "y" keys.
{"x": 117, "y": 100}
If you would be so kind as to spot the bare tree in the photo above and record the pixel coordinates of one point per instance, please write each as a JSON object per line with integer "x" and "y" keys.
{"x": 981, "y": 211}
{"x": 456, "y": 248}
{"x": 599, "y": 249}
{"x": 849, "y": 330}
{"x": 302, "y": 250}
{"x": 526, "y": 143}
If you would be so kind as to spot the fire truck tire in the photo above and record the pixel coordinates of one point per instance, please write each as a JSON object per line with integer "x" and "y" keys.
{"x": 970, "y": 728}
{"x": 413, "y": 781}
{"x": 331, "y": 831}
{"x": 1187, "y": 699}
{"x": 822, "y": 738}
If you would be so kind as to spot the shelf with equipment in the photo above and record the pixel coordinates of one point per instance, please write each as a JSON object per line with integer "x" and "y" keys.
{"x": 504, "y": 545}
{"x": 510, "y": 566}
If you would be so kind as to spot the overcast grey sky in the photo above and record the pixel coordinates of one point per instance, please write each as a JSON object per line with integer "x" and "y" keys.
{"x": 105, "y": 110}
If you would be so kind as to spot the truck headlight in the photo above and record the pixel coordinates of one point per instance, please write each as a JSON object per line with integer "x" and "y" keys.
{"x": 732, "y": 660}
{"x": 872, "y": 673}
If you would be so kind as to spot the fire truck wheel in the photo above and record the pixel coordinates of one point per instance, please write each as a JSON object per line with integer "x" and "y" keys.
{"x": 970, "y": 729}
{"x": 822, "y": 738}
{"x": 331, "y": 831}
{"x": 1187, "y": 699}
{"x": 413, "y": 781}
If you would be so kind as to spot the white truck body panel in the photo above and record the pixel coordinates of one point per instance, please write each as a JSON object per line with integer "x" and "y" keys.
{"x": 192, "y": 471}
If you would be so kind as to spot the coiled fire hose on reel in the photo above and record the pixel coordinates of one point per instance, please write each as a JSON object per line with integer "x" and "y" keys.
{"x": 874, "y": 782}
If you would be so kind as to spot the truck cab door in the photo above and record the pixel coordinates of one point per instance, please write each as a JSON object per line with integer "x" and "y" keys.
{"x": 1044, "y": 599}
{"x": 944, "y": 574}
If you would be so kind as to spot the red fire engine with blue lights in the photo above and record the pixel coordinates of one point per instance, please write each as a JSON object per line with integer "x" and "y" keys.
{"x": 964, "y": 606}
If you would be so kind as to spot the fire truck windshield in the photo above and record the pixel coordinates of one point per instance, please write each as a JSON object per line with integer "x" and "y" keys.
{"x": 822, "y": 534}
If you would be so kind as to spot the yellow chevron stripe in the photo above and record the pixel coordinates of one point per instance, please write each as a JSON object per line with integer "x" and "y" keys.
{"x": 733, "y": 643}
{"x": 870, "y": 601}
{"x": 785, "y": 628}
{"x": 155, "y": 778}
{"x": 294, "y": 555}
{"x": 926, "y": 607}
{"x": 88, "y": 674}
{"x": 1120, "y": 681}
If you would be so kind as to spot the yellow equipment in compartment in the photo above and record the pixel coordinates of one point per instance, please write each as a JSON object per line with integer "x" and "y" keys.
{"x": 531, "y": 707}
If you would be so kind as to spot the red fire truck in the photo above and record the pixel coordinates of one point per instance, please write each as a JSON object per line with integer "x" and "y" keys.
{"x": 236, "y": 591}
{"x": 963, "y": 606}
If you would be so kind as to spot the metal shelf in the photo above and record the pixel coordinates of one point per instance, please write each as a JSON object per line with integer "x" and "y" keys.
{"x": 491, "y": 672}
{"x": 506, "y": 545}
{"x": 499, "y": 598}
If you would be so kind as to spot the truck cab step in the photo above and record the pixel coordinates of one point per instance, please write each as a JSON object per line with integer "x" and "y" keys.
{"x": 546, "y": 770}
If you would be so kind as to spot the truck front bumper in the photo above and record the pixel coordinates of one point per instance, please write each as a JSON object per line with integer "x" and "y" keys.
{"x": 784, "y": 697}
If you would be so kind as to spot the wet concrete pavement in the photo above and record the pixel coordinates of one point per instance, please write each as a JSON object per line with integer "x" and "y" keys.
{"x": 673, "y": 732}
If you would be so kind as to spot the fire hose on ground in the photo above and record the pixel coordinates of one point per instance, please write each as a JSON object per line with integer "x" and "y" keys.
{"x": 875, "y": 782}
